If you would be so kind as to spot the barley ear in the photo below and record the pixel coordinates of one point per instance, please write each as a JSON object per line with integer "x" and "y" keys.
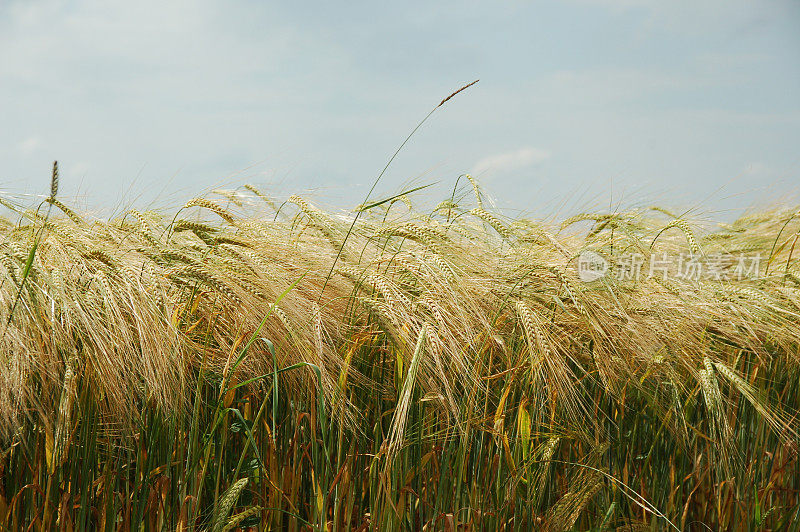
{"x": 477, "y": 190}
{"x": 61, "y": 436}
{"x": 226, "y": 503}
{"x": 235, "y": 520}
{"x": 54, "y": 181}
{"x": 210, "y": 205}
{"x": 492, "y": 220}
{"x": 397, "y": 427}
{"x": 66, "y": 210}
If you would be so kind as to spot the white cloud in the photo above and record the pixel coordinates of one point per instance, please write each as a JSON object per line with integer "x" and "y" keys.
{"x": 756, "y": 169}
{"x": 28, "y": 146}
{"x": 509, "y": 161}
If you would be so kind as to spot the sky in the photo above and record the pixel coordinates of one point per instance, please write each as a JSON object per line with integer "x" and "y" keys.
{"x": 677, "y": 103}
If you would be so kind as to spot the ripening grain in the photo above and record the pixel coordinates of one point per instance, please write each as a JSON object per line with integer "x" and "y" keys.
{"x": 181, "y": 371}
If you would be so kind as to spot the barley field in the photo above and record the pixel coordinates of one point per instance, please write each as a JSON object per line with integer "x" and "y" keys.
{"x": 249, "y": 363}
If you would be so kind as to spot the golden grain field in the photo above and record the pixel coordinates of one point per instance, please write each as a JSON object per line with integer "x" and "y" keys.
{"x": 248, "y": 363}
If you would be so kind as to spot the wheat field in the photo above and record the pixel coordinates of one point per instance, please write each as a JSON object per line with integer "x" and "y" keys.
{"x": 245, "y": 363}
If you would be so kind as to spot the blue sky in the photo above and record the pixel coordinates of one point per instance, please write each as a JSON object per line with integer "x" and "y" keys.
{"x": 676, "y": 102}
